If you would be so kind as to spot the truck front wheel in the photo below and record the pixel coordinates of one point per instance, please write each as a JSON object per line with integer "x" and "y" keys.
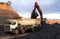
{"x": 16, "y": 31}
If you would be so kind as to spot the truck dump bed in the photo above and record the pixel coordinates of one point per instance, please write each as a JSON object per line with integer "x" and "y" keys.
{"x": 28, "y": 21}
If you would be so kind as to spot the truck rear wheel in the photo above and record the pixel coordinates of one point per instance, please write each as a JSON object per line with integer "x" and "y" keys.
{"x": 33, "y": 29}
{"x": 23, "y": 31}
{"x": 36, "y": 29}
{"x": 16, "y": 32}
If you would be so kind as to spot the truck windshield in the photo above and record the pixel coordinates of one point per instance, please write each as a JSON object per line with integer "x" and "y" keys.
{"x": 8, "y": 22}
{"x": 11, "y": 23}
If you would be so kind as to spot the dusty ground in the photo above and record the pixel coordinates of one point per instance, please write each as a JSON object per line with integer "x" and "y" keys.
{"x": 46, "y": 32}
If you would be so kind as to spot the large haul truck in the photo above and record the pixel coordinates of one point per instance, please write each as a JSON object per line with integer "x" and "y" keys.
{"x": 21, "y": 25}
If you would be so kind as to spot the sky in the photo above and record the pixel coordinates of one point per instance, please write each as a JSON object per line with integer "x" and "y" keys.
{"x": 50, "y": 8}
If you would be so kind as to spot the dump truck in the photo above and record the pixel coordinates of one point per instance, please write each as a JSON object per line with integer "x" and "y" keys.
{"x": 23, "y": 24}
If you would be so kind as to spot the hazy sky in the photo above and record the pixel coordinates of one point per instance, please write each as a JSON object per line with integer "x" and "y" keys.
{"x": 50, "y": 8}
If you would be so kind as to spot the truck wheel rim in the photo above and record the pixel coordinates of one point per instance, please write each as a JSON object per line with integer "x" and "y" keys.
{"x": 16, "y": 32}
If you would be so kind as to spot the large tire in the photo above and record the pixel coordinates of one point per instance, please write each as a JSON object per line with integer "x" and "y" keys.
{"x": 16, "y": 31}
{"x": 23, "y": 31}
{"x": 36, "y": 29}
{"x": 33, "y": 29}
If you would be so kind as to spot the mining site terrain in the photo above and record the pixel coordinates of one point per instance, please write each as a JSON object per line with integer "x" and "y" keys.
{"x": 46, "y": 32}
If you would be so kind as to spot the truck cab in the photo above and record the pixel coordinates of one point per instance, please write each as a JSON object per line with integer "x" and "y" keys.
{"x": 10, "y": 25}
